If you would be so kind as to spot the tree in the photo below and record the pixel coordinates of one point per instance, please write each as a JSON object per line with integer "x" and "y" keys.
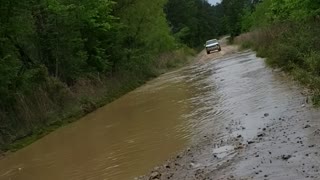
{"x": 194, "y": 21}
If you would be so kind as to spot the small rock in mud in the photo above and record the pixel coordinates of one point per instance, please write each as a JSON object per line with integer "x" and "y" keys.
{"x": 307, "y": 126}
{"x": 286, "y": 157}
{"x": 317, "y": 132}
{"x": 194, "y": 165}
{"x": 155, "y": 175}
{"x": 261, "y": 134}
{"x": 266, "y": 114}
{"x": 251, "y": 142}
{"x": 240, "y": 146}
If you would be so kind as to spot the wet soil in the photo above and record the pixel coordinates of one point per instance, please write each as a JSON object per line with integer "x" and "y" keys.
{"x": 259, "y": 125}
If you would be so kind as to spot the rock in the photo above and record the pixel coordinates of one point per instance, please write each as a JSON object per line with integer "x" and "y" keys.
{"x": 155, "y": 175}
{"x": 251, "y": 142}
{"x": 240, "y": 146}
{"x": 261, "y": 135}
{"x": 317, "y": 132}
{"x": 266, "y": 114}
{"x": 307, "y": 126}
{"x": 239, "y": 136}
{"x": 195, "y": 165}
{"x": 286, "y": 157}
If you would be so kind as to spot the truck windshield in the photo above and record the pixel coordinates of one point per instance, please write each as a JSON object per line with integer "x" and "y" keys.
{"x": 211, "y": 41}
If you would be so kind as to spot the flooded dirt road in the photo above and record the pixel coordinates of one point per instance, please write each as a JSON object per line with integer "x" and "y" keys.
{"x": 258, "y": 125}
{"x": 227, "y": 116}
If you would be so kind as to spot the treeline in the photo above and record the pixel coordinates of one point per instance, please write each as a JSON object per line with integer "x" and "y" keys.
{"x": 195, "y": 21}
{"x": 288, "y": 34}
{"x": 60, "y": 59}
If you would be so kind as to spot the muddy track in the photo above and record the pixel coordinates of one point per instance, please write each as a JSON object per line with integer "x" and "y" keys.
{"x": 258, "y": 126}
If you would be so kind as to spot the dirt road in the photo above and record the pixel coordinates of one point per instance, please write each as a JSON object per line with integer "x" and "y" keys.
{"x": 259, "y": 124}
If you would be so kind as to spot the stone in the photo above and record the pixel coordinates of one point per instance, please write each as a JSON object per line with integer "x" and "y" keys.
{"x": 307, "y": 126}
{"x": 286, "y": 157}
{"x": 155, "y": 175}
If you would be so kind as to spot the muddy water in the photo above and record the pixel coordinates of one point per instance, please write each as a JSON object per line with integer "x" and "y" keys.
{"x": 117, "y": 142}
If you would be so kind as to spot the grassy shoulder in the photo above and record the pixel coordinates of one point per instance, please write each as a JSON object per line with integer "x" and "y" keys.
{"x": 84, "y": 98}
{"x": 292, "y": 47}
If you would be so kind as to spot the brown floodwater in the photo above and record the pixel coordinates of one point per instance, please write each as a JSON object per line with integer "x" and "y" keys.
{"x": 119, "y": 141}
